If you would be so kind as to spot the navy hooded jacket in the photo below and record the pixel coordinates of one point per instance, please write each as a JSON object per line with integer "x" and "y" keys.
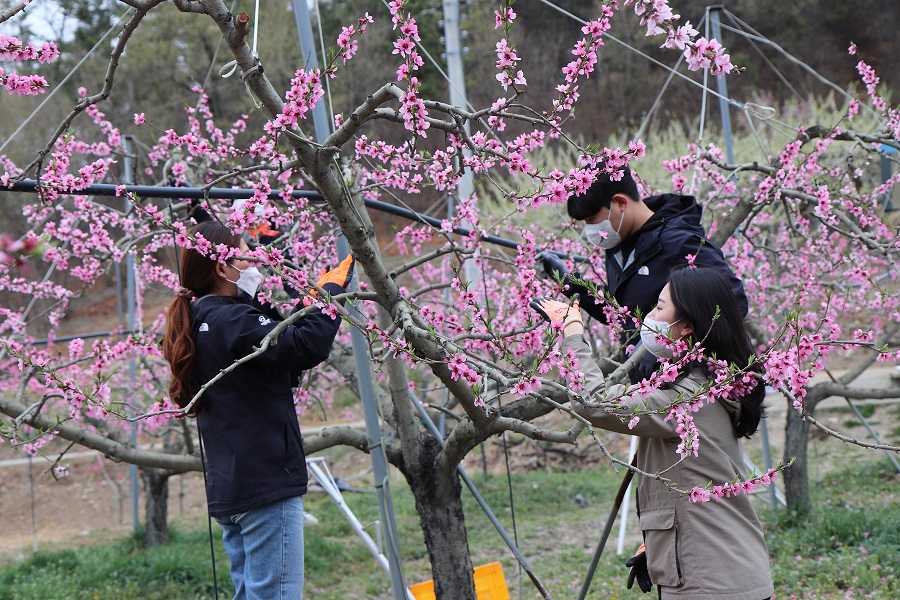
{"x": 638, "y": 268}
{"x": 247, "y": 419}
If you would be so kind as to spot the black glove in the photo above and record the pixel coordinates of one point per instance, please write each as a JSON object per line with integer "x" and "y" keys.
{"x": 551, "y": 265}
{"x": 638, "y": 564}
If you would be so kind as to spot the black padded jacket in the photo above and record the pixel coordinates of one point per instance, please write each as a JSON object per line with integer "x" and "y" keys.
{"x": 247, "y": 419}
{"x": 638, "y": 268}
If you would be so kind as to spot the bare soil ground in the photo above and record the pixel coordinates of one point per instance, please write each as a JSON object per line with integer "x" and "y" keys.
{"x": 92, "y": 504}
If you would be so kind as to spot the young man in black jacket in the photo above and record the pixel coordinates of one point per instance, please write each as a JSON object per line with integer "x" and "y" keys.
{"x": 643, "y": 241}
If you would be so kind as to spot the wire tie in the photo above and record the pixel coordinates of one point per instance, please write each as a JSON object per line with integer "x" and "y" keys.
{"x": 228, "y": 69}
{"x": 763, "y": 113}
{"x": 256, "y": 67}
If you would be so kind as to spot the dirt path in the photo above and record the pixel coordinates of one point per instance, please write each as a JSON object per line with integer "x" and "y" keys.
{"x": 92, "y": 504}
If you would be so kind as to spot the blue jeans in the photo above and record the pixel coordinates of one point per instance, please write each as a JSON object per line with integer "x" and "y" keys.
{"x": 265, "y": 547}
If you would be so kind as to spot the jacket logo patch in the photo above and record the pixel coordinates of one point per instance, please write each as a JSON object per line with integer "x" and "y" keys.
{"x": 643, "y": 270}
{"x": 204, "y": 327}
{"x": 264, "y": 320}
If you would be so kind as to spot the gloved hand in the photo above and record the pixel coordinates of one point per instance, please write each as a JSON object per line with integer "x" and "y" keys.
{"x": 638, "y": 564}
{"x": 551, "y": 265}
{"x": 340, "y": 275}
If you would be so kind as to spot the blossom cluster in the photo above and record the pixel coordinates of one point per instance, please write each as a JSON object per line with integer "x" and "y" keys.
{"x": 686, "y": 430}
{"x": 412, "y": 106}
{"x": 732, "y": 489}
{"x": 305, "y": 91}
{"x": 659, "y": 18}
{"x": 507, "y": 59}
{"x": 14, "y": 49}
{"x": 346, "y": 40}
{"x": 871, "y": 81}
{"x": 459, "y": 369}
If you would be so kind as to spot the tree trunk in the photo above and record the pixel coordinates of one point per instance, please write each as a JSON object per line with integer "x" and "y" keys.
{"x": 796, "y": 477}
{"x": 440, "y": 509}
{"x": 156, "y": 486}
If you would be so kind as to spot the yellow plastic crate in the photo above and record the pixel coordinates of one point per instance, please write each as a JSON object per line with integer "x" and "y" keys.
{"x": 489, "y": 584}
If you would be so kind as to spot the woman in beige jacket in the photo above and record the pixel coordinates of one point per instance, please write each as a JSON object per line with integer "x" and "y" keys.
{"x": 699, "y": 550}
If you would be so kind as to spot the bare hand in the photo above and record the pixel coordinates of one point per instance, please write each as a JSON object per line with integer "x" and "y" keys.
{"x": 558, "y": 311}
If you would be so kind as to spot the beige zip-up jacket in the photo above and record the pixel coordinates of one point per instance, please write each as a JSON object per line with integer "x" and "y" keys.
{"x": 703, "y": 551}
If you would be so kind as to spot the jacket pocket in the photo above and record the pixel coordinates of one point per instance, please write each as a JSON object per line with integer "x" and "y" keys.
{"x": 660, "y": 528}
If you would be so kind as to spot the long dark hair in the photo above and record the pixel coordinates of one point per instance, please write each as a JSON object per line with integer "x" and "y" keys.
{"x": 198, "y": 278}
{"x": 697, "y": 294}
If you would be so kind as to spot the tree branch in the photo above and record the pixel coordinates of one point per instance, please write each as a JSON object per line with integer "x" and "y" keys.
{"x": 177, "y": 463}
{"x": 84, "y": 103}
{"x": 12, "y": 11}
{"x": 339, "y": 435}
{"x": 849, "y": 440}
{"x": 406, "y": 421}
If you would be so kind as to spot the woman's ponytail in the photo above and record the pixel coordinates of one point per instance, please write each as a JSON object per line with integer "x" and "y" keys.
{"x": 198, "y": 278}
{"x": 178, "y": 349}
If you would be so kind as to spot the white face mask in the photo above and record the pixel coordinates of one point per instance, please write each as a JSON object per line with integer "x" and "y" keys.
{"x": 650, "y": 330}
{"x": 592, "y": 233}
{"x": 248, "y": 280}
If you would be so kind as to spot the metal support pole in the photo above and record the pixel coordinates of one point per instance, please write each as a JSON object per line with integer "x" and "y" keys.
{"x": 323, "y": 476}
{"x": 360, "y": 347}
{"x": 887, "y": 171}
{"x": 724, "y": 112}
{"x": 455, "y": 72}
{"x": 767, "y": 461}
{"x": 623, "y": 522}
{"x": 722, "y": 88}
{"x": 376, "y": 447}
{"x": 311, "y": 61}
{"x": 34, "y": 534}
{"x": 871, "y": 431}
{"x": 130, "y": 293}
{"x": 595, "y": 559}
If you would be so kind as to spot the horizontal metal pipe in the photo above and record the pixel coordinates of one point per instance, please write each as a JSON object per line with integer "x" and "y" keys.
{"x": 151, "y": 191}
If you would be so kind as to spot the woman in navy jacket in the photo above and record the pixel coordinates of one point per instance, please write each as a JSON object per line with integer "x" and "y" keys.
{"x": 256, "y": 467}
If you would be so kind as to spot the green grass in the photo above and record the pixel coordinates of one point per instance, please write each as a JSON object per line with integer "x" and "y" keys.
{"x": 849, "y": 549}
{"x": 181, "y": 569}
{"x": 852, "y": 544}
